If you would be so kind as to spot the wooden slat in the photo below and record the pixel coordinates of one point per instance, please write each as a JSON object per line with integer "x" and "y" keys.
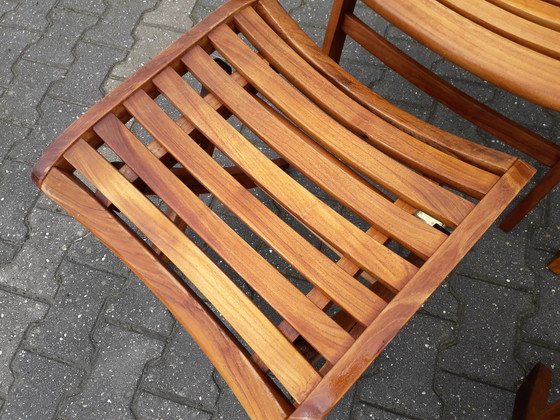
{"x": 385, "y": 327}
{"x": 536, "y": 11}
{"x": 312, "y": 323}
{"x": 260, "y": 334}
{"x": 81, "y": 128}
{"x": 415, "y": 153}
{"x": 395, "y": 177}
{"x": 509, "y": 25}
{"x": 476, "y": 112}
{"x": 311, "y": 263}
{"x": 319, "y": 298}
{"x": 232, "y": 361}
{"x": 483, "y": 157}
{"x": 326, "y": 171}
{"x": 315, "y": 214}
{"x": 512, "y": 67}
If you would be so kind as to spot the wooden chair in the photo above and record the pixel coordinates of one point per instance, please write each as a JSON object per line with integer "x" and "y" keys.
{"x": 315, "y": 116}
{"x": 514, "y": 44}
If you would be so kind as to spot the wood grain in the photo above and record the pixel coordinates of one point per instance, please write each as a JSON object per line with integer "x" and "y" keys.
{"x": 278, "y": 353}
{"x": 221, "y": 347}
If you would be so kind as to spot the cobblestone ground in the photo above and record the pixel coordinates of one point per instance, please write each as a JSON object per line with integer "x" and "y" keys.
{"x": 81, "y": 338}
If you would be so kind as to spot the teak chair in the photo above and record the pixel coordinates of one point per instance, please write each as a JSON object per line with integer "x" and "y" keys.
{"x": 514, "y": 44}
{"x": 317, "y": 118}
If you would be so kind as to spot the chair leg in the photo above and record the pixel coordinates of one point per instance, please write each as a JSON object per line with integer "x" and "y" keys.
{"x": 554, "y": 265}
{"x": 543, "y": 187}
{"x": 531, "y": 400}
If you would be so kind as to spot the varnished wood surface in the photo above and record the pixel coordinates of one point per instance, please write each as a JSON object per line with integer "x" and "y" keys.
{"x": 523, "y": 24}
{"x": 360, "y": 291}
{"x": 554, "y": 265}
{"x": 505, "y": 63}
{"x": 478, "y": 155}
{"x": 531, "y": 400}
{"x": 232, "y": 359}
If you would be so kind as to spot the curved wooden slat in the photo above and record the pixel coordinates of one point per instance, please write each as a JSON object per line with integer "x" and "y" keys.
{"x": 81, "y": 128}
{"x": 260, "y": 334}
{"x": 324, "y": 171}
{"x": 385, "y": 327}
{"x": 312, "y": 264}
{"x": 536, "y": 11}
{"x": 395, "y": 177}
{"x": 509, "y": 25}
{"x": 232, "y": 361}
{"x": 483, "y": 157}
{"x": 513, "y": 67}
{"x": 391, "y": 140}
{"x": 496, "y": 124}
{"x": 312, "y": 323}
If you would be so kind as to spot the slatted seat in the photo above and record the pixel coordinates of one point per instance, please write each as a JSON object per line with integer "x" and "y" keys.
{"x": 352, "y": 182}
{"x": 514, "y": 44}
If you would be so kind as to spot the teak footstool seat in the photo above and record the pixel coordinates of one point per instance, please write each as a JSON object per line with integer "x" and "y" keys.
{"x": 288, "y": 349}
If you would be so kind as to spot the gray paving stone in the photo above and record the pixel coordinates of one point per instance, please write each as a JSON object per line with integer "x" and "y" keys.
{"x": 117, "y": 23}
{"x": 55, "y": 46}
{"x": 365, "y": 411}
{"x": 90, "y": 251}
{"x": 467, "y": 82}
{"x": 469, "y": 400}
{"x": 136, "y": 305}
{"x": 17, "y": 195}
{"x": 486, "y": 335}
{"x": 40, "y": 385}
{"x": 55, "y": 117}
{"x": 26, "y": 91}
{"x": 401, "y": 378}
{"x": 16, "y": 313}
{"x": 81, "y": 84}
{"x": 400, "y": 91}
{"x": 410, "y": 47}
{"x": 173, "y": 14}
{"x": 7, "y": 252}
{"x": 531, "y": 354}
{"x": 109, "y": 390}
{"x": 228, "y": 405}
{"x": 32, "y": 271}
{"x": 542, "y": 326}
{"x": 30, "y": 14}
{"x": 152, "y": 407}
{"x": 442, "y": 303}
{"x": 91, "y": 6}
{"x": 11, "y": 134}
{"x": 524, "y": 112}
{"x": 65, "y": 331}
{"x": 311, "y": 13}
{"x": 184, "y": 371}
{"x": 8, "y": 5}
{"x": 344, "y": 408}
{"x": 150, "y": 41}
{"x": 500, "y": 258}
{"x": 14, "y": 41}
